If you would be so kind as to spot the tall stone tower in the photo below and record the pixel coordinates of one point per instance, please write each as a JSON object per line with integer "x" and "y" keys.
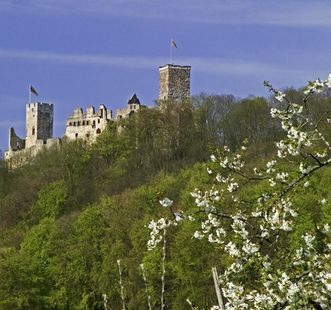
{"x": 39, "y": 123}
{"x": 174, "y": 82}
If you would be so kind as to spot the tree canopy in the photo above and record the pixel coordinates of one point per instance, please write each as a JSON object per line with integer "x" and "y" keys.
{"x": 72, "y": 213}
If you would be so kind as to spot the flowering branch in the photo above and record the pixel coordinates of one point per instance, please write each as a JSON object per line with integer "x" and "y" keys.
{"x": 253, "y": 233}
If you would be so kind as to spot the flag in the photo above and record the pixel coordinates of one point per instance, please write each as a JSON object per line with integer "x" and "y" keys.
{"x": 173, "y": 44}
{"x": 33, "y": 90}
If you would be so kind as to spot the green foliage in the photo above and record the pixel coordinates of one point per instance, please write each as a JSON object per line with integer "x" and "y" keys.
{"x": 51, "y": 200}
{"x": 68, "y": 216}
{"x": 3, "y": 179}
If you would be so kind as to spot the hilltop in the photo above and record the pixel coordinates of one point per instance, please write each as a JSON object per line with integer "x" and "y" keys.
{"x": 72, "y": 212}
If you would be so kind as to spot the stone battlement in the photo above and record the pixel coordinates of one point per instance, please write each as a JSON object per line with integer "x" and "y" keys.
{"x": 174, "y": 85}
{"x": 87, "y": 125}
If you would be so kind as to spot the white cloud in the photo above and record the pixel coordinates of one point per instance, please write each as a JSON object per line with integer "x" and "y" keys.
{"x": 221, "y": 66}
{"x": 281, "y": 13}
{"x": 7, "y": 124}
{"x": 104, "y": 60}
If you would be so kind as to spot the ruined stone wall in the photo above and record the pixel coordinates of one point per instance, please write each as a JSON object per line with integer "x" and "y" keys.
{"x": 89, "y": 125}
{"x": 174, "y": 87}
{"x": 39, "y": 133}
{"x": 15, "y": 142}
{"x": 18, "y": 158}
{"x": 174, "y": 82}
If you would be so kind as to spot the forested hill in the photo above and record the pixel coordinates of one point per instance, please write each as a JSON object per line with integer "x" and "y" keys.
{"x": 68, "y": 216}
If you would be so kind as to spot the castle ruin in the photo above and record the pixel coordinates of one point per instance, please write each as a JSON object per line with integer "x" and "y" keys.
{"x": 174, "y": 86}
{"x": 89, "y": 125}
{"x": 39, "y": 133}
{"x": 133, "y": 106}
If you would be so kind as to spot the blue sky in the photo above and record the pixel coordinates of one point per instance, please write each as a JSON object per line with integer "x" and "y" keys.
{"x": 78, "y": 53}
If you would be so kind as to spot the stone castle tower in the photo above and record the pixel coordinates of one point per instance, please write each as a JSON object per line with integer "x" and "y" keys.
{"x": 39, "y": 123}
{"x": 39, "y": 133}
{"x": 174, "y": 82}
{"x": 174, "y": 87}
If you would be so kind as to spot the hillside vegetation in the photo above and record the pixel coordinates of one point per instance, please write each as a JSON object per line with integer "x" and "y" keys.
{"x": 67, "y": 217}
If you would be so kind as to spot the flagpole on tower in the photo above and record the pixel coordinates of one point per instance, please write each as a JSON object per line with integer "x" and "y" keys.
{"x": 33, "y": 91}
{"x": 172, "y": 45}
{"x": 171, "y": 51}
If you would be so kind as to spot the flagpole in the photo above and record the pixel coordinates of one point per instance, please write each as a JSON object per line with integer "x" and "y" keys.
{"x": 29, "y": 93}
{"x": 171, "y": 51}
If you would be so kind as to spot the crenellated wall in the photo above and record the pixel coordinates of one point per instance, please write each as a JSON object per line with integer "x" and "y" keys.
{"x": 174, "y": 86}
{"x": 89, "y": 125}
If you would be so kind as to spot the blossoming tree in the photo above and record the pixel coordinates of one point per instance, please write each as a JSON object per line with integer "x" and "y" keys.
{"x": 265, "y": 270}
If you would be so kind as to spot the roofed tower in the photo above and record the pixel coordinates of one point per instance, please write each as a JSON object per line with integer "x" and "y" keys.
{"x": 134, "y": 100}
{"x": 133, "y": 106}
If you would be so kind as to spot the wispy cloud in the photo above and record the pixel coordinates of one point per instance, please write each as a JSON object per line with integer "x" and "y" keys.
{"x": 103, "y": 60}
{"x": 280, "y": 13}
{"x": 221, "y": 66}
{"x": 7, "y": 124}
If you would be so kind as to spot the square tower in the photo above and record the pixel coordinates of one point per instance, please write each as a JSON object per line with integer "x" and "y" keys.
{"x": 39, "y": 122}
{"x": 174, "y": 82}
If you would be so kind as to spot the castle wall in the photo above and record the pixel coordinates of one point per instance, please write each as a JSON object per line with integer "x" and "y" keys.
{"x": 39, "y": 132}
{"x": 128, "y": 111}
{"x": 174, "y": 86}
{"x": 15, "y": 142}
{"x": 21, "y": 157}
{"x": 87, "y": 125}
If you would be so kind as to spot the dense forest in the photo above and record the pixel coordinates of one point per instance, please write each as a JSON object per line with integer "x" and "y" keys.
{"x": 71, "y": 214}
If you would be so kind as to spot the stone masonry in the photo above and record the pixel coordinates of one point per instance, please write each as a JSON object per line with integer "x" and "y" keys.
{"x": 133, "y": 106}
{"x": 89, "y": 125}
{"x": 174, "y": 82}
{"x": 39, "y": 123}
{"x": 174, "y": 86}
{"x": 39, "y": 134}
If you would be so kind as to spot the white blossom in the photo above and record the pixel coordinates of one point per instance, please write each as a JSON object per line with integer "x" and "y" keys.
{"x": 213, "y": 158}
{"x": 166, "y": 202}
{"x": 232, "y": 249}
{"x": 328, "y": 81}
{"x": 248, "y": 229}
{"x": 250, "y": 247}
{"x": 326, "y": 228}
{"x": 280, "y": 96}
{"x": 232, "y": 187}
{"x": 198, "y": 235}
